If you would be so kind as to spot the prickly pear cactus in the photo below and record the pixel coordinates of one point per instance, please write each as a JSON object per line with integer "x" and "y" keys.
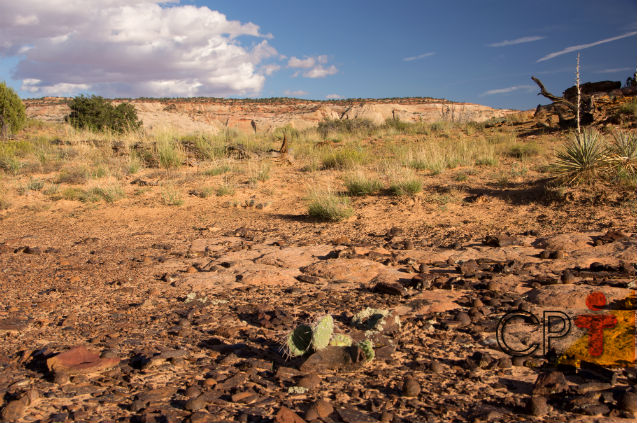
{"x": 368, "y": 349}
{"x": 341, "y": 340}
{"x": 322, "y": 332}
{"x": 299, "y": 340}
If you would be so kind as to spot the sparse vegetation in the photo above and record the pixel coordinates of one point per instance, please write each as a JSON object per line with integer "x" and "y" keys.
{"x": 361, "y": 184}
{"x": 326, "y": 205}
{"x": 171, "y": 196}
{"x": 12, "y": 111}
{"x": 583, "y": 158}
{"x": 98, "y": 114}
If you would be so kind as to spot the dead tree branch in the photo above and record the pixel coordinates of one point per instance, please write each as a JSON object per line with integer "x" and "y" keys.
{"x": 553, "y": 97}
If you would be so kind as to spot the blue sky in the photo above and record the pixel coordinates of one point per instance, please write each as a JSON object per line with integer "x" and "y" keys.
{"x": 476, "y": 51}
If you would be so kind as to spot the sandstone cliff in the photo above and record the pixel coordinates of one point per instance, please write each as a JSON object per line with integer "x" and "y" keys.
{"x": 194, "y": 115}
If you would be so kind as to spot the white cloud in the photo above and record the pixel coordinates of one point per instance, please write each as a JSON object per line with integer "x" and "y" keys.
{"x": 521, "y": 40}
{"x": 314, "y": 66}
{"x": 334, "y": 96}
{"x": 420, "y": 56}
{"x": 584, "y": 46}
{"x": 507, "y": 90}
{"x": 132, "y": 48}
{"x": 615, "y": 70}
{"x": 297, "y": 93}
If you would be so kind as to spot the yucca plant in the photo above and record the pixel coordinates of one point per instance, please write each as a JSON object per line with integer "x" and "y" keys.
{"x": 622, "y": 153}
{"x": 583, "y": 159}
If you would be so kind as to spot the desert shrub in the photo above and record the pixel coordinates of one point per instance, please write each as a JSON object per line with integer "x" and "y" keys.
{"x": 217, "y": 170}
{"x": 98, "y": 114}
{"x": 407, "y": 186}
{"x": 170, "y": 153}
{"x": 325, "y": 205}
{"x": 583, "y": 158}
{"x": 171, "y": 196}
{"x": 12, "y": 111}
{"x": 361, "y": 184}
{"x": 343, "y": 158}
{"x": 109, "y": 193}
{"x": 356, "y": 125}
{"x": 524, "y": 150}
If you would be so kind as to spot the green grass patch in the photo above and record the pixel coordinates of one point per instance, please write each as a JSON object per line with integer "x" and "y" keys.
{"x": 328, "y": 206}
{"x": 409, "y": 186}
{"x": 360, "y": 184}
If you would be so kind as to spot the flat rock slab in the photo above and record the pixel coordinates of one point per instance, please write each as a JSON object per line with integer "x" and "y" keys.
{"x": 435, "y": 301}
{"x": 294, "y": 257}
{"x": 352, "y": 270}
{"x": 80, "y": 360}
{"x": 573, "y": 297}
{"x": 13, "y": 325}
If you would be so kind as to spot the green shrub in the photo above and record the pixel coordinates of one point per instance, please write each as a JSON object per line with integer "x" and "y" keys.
{"x": 406, "y": 187}
{"x": 98, "y": 114}
{"x": 12, "y": 111}
{"x": 360, "y": 184}
{"x": 328, "y": 206}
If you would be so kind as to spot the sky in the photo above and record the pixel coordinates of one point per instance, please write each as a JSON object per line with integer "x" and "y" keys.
{"x": 478, "y": 51}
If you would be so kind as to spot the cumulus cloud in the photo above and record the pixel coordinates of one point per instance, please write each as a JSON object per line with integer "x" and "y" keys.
{"x": 520, "y": 40}
{"x": 132, "y": 48}
{"x": 297, "y": 93}
{"x": 420, "y": 56}
{"x": 334, "y": 96}
{"x": 314, "y": 66}
{"x": 584, "y": 46}
{"x": 508, "y": 90}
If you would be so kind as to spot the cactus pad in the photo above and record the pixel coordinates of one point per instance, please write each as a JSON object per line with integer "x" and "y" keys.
{"x": 322, "y": 332}
{"x": 299, "y": 340}
{"x": 341, "y": 340}
{"x": 368, "y": 349}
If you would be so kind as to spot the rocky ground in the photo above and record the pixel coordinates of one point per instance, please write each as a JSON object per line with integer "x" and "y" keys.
{"x": 176, "y": 322}
{"x": 145, "y": 310}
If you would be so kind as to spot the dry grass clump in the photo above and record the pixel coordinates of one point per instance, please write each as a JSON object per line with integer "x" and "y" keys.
{"x": 343, "y": 158}
{"x": 360, "y": 183}
{"x": 325, "y": 205}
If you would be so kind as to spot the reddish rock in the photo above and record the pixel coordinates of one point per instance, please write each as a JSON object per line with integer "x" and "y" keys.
{"x": 80, "y": 360}
{"x": 285, "y": 415}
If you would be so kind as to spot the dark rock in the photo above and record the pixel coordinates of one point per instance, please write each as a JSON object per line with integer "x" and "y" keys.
{"x": 332, "y": 358}
{"x": 628, "y": 402}
{"x": 538, "y": 406}
{"x": 196, "y": 403}
{"x": 500, "y": 240}
{"x": 321, "y": 409}
{"x": 550, "y": 383}
{"x": 285, "y": 415}
{"x": 411, "y": 387}
{"x": 351, "y": 414}
{"x": 309, "y": 381}
{"x": 391, "y": 288}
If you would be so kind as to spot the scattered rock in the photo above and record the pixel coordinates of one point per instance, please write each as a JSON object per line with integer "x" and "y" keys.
{"x": 285, "y": 415}
{"x": 320, "y": 409}
{"x": 411, "y": 387}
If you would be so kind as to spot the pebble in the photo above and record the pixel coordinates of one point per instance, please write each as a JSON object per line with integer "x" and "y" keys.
{"x": 411, "y": 388}
{"x": 196, "y": 403}
{"x": 310, "y": 381}
{"x": 321, "y": 409}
